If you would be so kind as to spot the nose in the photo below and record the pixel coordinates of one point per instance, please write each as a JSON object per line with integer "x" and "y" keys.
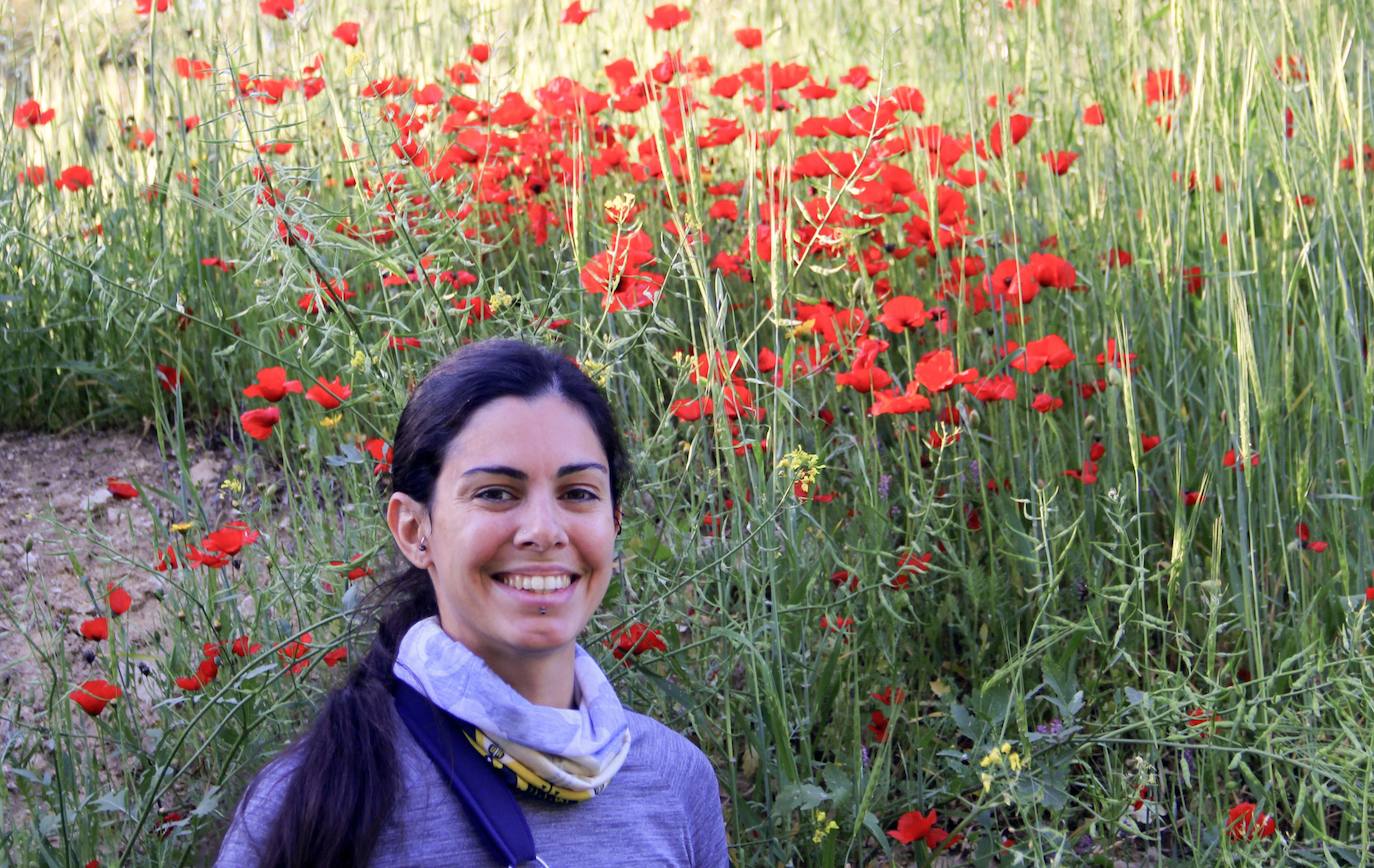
{"x": 541, "y": 524}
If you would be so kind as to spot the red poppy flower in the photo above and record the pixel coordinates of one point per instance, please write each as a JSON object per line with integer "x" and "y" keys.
{"x": 1059, "y": 161}
{"x": 295, "y": 649}
{"x": 1163, "y": 85}
{"x": 336, "y": 656}
{"x": 347, "y": 33}
{"x": 1200, "y": 717}
{"x": 1046, "y": 403}
{"x": 145, "y": 7}
{"x": 667, "y": 16}
{"x": 1118, "y": 258}
{"x": 231, "y": 538}
{"x": 205, "y": 673}
{"x": 1230, "y": 460}
{"x": 1244, "y": 823}
{"x": 118, "y": 598}
{"x": 858, "y": 77}
{"x": 1093, "y": 117}
{"x": 864, "y": 378}
{"x": 120, "y": 488}
{"x": 936, "y": 371}
{"x": 913, "y": 826}
{"x": 31, "y": 114}
{"x": 1000, "y": 387}
{"x": 1086, "y": 475}
{"x": 837, "y": 624}
{"x": 1148, "y": 442}
{"x": 242, "y": 647}
{"x": 1051, "y": 351}
{"x": 616, "y": 273}
{"x": 904, "y": 312}
{"x": 34, "y": 176}
{"x": 724, "y": 209}
{"x": 74, "y": 178}
{"x": 878, "y": 727}
{"x": 209, "y": 560}
{"x": 381, "y": 453}
{"x": 280, "y": 9}
{"x": 575, "y": 14}
{"x": 258, "y": 423}
{"x": 329, "y": 394}
{"x": 1113, "y": 358}
{"x": 1305, "y": 537}
{"x": 1193, "y": 498}
{"x": 187, "y": 67}
{"x": 166, "y": 559}
{"x": 890, "y": 401}
{"x": 272, "y": 385}
{"x": 1017, "y": 127}
{"x": 94, "y": 695}
{"x": 635, "y": 639}
{"x": 407, "y": 149}
{"x": 749, "y": 37}
{"x": 221, "y": 264}
{"x": 691, "y": 410}
{"x": 96, "y": 629}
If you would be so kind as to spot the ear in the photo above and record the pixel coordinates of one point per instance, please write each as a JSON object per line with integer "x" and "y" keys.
{"x": 617, "y": 521}
{"x": 409, "y": 523}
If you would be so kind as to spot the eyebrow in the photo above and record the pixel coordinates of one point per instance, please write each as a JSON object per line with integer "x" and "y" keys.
{"x": 565, "y": 470}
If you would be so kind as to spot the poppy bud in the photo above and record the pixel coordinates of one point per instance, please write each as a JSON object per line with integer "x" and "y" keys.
{"x": 1089, "y": 421}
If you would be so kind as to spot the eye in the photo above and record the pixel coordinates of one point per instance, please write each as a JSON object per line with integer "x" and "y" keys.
{"x": 583, "y": 494}
{"x": 493, "y": 495}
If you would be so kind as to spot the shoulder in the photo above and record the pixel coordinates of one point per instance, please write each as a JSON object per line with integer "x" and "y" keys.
{"x": 665, "y": 748}
{"x": 683, "y": 771}
{"x": 256, "y": 811}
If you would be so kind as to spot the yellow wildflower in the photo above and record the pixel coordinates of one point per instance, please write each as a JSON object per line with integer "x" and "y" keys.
{"x": 802, "y": 465}
{"x": 618, "y": 208}
{"x": 599, "y": 372}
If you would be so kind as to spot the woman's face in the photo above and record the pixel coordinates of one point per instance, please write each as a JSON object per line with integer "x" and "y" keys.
{"x": 521, "y": 522}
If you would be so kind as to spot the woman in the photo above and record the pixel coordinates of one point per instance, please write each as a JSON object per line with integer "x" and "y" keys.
{"x": 506, "y": 476}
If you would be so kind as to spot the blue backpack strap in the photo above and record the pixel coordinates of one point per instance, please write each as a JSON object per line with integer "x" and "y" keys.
{"x": 489, "y": 802}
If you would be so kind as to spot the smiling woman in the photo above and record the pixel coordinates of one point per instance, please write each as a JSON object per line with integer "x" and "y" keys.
{"x": 507, "y": 477}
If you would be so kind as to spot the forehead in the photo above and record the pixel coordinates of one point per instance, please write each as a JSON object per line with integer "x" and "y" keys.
{"x": 530, "y": 434}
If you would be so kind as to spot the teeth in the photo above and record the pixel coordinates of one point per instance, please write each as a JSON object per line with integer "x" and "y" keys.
{"x": 538, "y": 584}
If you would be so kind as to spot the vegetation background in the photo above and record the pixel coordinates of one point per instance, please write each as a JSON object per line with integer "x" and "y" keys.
{"x": 1131, "y": 625}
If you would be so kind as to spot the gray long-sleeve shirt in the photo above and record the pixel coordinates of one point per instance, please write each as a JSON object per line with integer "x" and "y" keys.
{"x": 661, "y": 808}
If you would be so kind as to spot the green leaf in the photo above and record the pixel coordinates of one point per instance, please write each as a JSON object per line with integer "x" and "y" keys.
{"x": 800, "y": 796}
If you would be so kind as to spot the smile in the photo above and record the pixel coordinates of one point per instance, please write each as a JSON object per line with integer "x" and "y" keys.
{"x": 536, "y": 584}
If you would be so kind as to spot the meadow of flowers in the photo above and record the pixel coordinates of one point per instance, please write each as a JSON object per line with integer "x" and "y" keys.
{"x": 996, "y": 377}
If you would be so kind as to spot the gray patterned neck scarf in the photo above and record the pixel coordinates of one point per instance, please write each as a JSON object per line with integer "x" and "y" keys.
{"x": 575, "y": 750}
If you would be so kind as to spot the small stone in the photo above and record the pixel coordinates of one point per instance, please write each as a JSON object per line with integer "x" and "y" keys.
{"x": 96, "y": 498}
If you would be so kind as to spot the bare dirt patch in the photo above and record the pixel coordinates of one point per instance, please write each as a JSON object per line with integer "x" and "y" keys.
{"x": 64, "y": 537}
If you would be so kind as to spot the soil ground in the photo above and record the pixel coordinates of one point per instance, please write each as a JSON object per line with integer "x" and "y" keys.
{"x": 64, "y": 538}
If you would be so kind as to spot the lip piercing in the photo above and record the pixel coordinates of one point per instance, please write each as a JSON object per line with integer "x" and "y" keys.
{"x": 543, "y": 611}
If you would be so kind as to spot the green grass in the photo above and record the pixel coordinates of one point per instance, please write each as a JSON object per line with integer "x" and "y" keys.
{"x": 1114, "y": 608}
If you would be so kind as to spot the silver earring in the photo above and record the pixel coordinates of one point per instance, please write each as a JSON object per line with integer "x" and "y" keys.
{"x": 423, "y": 546}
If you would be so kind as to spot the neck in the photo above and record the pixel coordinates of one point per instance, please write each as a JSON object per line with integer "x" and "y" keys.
{"x": 543, "y": 680}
